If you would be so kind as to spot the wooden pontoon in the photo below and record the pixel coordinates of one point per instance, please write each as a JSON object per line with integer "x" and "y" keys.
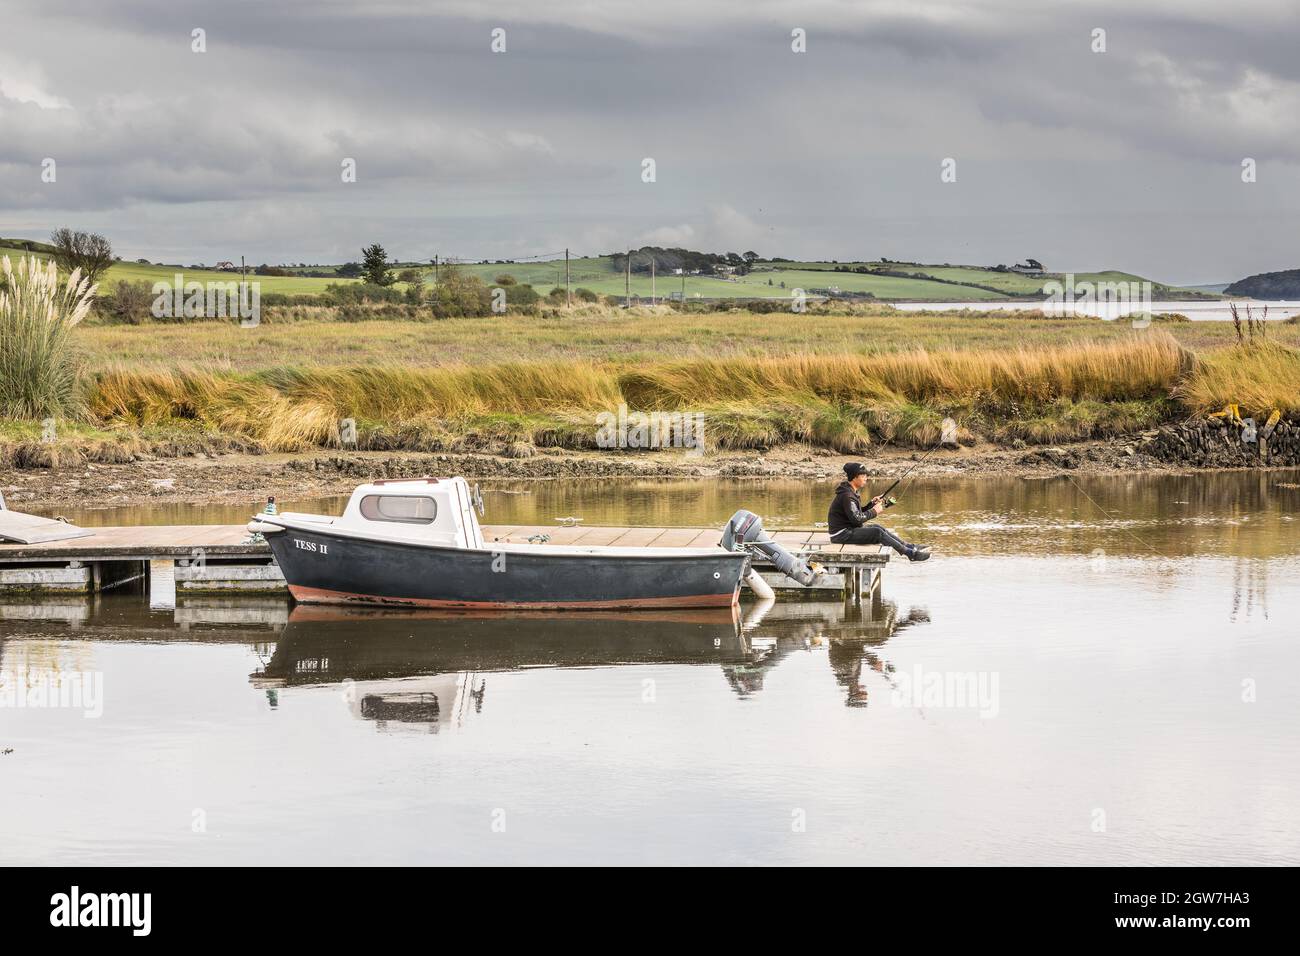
{"x": 225, "y": 558}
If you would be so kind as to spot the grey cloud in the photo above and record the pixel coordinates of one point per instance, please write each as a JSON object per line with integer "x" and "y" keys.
{"x": 831, "y": 153}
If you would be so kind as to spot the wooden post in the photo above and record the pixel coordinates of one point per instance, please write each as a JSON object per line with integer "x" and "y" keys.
{"x": 568, "y": 292}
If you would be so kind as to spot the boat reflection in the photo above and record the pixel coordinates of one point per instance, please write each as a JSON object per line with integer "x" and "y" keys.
{"x": 420, "y": 703}
{"x": 427, "y": 670}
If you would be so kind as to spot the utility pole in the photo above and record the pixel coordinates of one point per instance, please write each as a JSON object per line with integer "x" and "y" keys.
{"x": 568, "y": 293}
{"x": 435, "y": 268}
{"x": 243, "y": 283}
{"x": 627, "y": 282}
{"x": 683, "y": 281}
{"x": 652, "y": 278}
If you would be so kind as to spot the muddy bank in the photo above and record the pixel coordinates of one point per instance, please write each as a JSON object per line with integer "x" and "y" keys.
{"x": 234, "y": 476}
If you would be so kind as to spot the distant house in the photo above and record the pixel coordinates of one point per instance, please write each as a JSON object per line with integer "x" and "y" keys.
{"x": 1030, "y": 267}
{"x": 227, "y": 267}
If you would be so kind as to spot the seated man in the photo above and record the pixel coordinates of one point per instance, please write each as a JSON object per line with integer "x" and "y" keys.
{"x": 848, "y": 522}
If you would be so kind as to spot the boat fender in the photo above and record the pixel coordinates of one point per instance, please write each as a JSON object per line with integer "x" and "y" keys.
{"x": 263, "y": 527}
{"x": 744, "y": 531}
{"x": 762, "y": 590}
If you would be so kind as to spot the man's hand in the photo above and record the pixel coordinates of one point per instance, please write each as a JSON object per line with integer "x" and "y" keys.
{"x": 877, "y": 506}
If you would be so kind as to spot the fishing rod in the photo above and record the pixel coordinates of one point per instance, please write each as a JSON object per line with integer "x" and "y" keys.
{"x": 885, "y": 498}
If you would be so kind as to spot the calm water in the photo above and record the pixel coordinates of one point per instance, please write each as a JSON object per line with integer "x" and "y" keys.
{"x": 1132, "y": 678}
{"x": 1214, "y": 310}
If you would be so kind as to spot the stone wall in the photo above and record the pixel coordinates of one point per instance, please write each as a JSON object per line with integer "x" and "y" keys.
{"x": 1214, "y": 443}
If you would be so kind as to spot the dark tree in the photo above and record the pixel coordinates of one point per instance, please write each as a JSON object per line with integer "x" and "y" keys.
{"x": 88, "y": 251}
{"x": 374, "y": 265}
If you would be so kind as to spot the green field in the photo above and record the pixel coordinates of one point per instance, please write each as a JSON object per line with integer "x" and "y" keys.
{"x": 135, "y": 272}
{"x": 769, "y": 280}
{"x": 599, "y": 275}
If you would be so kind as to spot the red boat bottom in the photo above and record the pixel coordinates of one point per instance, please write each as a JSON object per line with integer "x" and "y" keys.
{"x": 325, "y": 596}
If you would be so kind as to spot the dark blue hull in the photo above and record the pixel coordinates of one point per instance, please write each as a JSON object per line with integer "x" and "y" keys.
{"x": 329, "y": 568}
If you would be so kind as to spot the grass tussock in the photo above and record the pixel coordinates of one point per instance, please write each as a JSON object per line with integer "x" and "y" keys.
{"x": 288, "y": 409}
{"x": 843, "y": 401}
{"x": 1140, "y": 367}
{"x": 1259, "y": 376}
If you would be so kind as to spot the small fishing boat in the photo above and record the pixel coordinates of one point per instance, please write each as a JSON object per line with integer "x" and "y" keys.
{"x": 417, "y": 543}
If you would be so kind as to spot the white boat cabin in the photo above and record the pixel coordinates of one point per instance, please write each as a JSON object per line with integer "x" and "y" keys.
{"x": 438, "y": 511}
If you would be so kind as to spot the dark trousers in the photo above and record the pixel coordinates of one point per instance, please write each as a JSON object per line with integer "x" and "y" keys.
{"x": 871, "y": 534}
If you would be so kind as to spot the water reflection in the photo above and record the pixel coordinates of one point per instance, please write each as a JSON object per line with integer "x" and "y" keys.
{"x": 1118, "y": 688}
{"x": 1249, "y": 590}
{"x": 429, "y": 670}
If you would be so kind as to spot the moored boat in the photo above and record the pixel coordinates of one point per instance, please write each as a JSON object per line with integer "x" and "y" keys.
{"x": 417, "y": 543}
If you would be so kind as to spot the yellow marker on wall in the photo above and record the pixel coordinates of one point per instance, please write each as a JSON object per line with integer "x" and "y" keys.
{"x": 1230, "y": 412}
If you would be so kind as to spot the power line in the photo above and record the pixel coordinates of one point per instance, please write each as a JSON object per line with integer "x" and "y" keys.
{"x": 493, "y": 260}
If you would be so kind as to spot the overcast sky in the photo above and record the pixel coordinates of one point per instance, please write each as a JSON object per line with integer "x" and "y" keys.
{"x": 1131, "y": 158}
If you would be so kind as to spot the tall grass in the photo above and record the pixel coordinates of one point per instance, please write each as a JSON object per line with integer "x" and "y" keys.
{"x": 39, "y": 368}
{"x": 290, "y": 408}
{"x": 1258, "y": 375}
{"x": 838, "y": 401}
{"x": 1133, "y": 368}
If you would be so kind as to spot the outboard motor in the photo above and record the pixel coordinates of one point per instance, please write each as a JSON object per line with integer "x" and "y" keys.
{"x": 745, "y": 529}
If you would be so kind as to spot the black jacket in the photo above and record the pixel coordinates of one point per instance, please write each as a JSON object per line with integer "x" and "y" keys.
{"x": 846, "y": 510}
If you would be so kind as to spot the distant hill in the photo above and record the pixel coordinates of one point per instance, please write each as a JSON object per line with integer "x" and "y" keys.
{"x": 882, "y": 280}
{"x": 27, "y": 245}
{"x": 1268, "y": 285}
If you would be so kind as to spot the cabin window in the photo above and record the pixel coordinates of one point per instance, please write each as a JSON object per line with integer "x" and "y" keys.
{"x": 405, "y": 509}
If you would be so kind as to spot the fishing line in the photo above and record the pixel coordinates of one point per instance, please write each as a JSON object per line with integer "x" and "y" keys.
{"x": 1111, "y": 517}
{"x": 916, "y": 464}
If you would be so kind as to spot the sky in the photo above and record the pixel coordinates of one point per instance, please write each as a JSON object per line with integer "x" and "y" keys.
{"x": 1084, "y": 150}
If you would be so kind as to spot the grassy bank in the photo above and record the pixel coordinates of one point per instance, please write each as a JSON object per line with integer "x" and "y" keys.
{"x": 843, "y": 380}
{"x": 844, "y": 401}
